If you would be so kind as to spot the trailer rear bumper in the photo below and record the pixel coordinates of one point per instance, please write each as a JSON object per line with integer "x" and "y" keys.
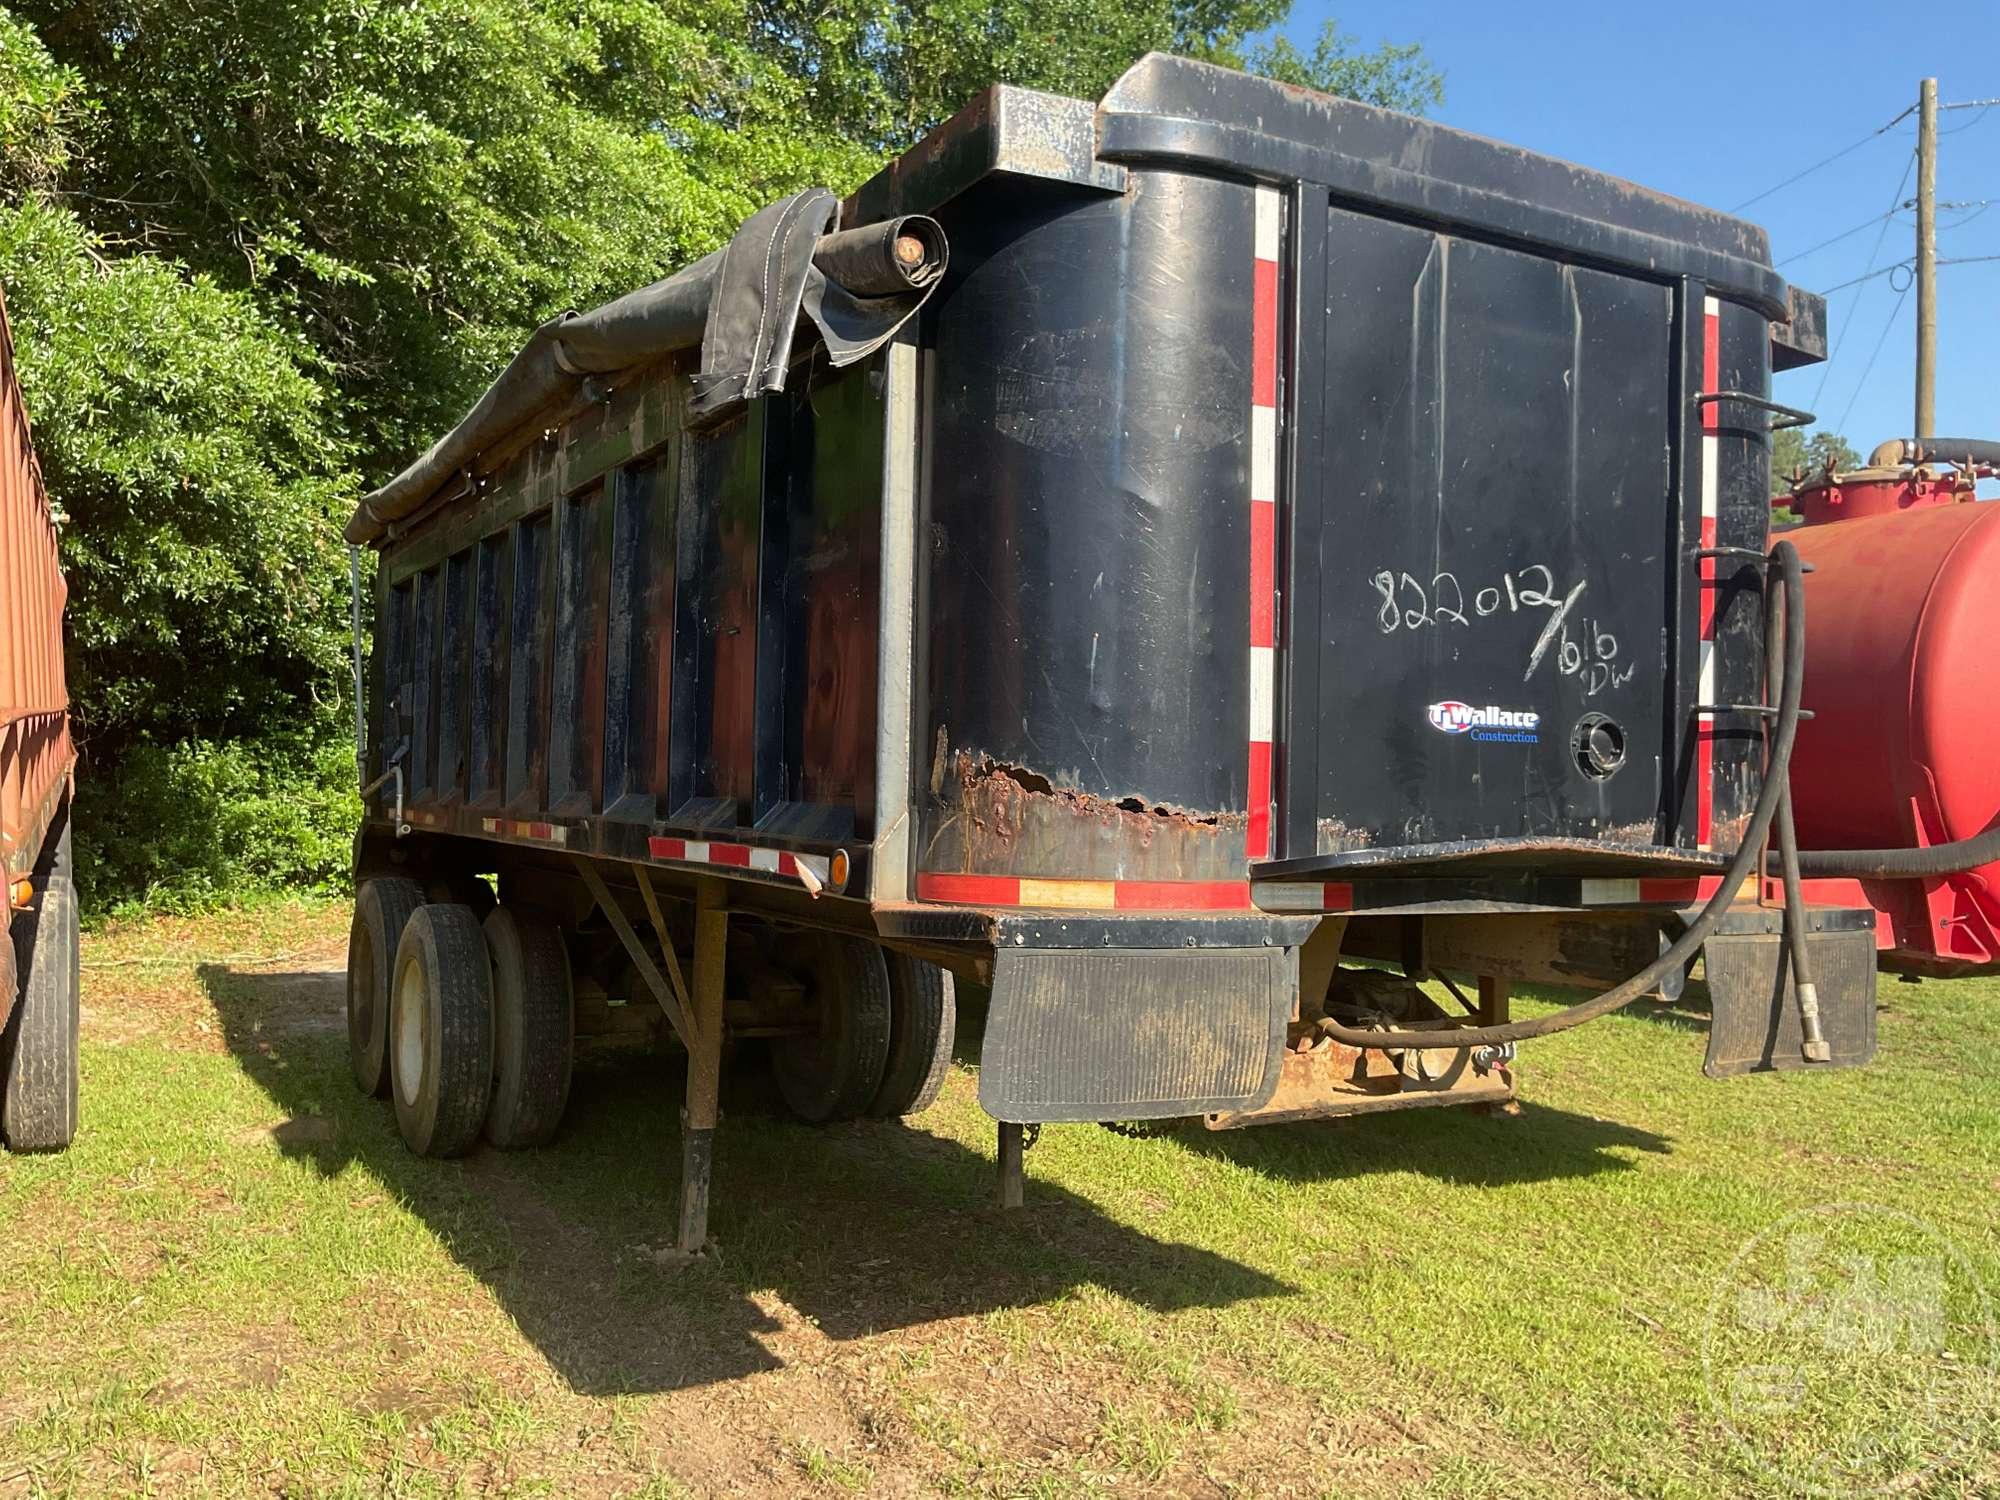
{"x": 1110, "y": 1016}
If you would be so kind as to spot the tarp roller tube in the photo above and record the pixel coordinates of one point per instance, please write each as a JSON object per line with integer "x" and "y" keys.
{"x": 741, "y": 305}
{"x": 879, "y": 260}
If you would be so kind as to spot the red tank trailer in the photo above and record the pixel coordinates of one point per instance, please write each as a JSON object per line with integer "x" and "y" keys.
{"x": 1896, "y": 768}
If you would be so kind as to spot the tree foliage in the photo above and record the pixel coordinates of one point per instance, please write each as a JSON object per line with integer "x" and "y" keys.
{"x": 1391, "y": 77}
{"x": 259, "y": 254}
{"x": 1794, "y": 454}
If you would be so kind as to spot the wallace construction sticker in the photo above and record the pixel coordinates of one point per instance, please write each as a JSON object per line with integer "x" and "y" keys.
{"x": 1508, "y": 725}
{"x": 1851, "y": 1350}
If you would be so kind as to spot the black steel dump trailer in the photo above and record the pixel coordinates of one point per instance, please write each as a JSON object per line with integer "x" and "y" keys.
{"x": 1134, "y": 556}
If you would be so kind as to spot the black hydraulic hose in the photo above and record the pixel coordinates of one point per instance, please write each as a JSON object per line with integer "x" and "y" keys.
{"x": 1903, "y": 864}
{"x": 1784, "y": 565}
{"x": 1813, "y": 1043}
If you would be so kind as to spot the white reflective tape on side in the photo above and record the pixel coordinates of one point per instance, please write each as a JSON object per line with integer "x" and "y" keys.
{"x": 764, "y": 859}
{"x": 1289, "y": 896}
{"x": 1610, "y": 892}
{"x": 1263, "y": 671}
{"x": 1263, "y": 453}
{"x": 1267, "y": 223}
{"x": 697, "y": 853}
{"x": 1706, "y": 690}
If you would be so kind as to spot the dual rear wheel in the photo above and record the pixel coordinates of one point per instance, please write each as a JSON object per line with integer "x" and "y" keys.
{"x": 882, "y": 1044}
{"x": 465, "y": 1025}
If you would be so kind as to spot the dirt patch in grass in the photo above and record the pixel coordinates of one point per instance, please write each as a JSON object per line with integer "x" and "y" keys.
{"x": 143, "y": 978}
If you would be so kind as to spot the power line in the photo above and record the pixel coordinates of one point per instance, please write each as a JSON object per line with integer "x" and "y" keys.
{"x": 1844, "y": 234}
{"x": 1869, "y": 368}
{"x": 1967, "y": 260}
{"x": 1888, "y": 270}
{"x": 1895, "y": 199}
{"x": 1828, "y": 161}
{"x": 1978, "y": 207}
{"x": 1971, "y": 104}
{"x": 1984, "y": 106}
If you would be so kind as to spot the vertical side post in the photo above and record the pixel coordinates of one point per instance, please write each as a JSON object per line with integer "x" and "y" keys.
{"x": 1011, "y": 1148}
{"x": 360, "y": 675}
{"x": 1495, "y": 1009}
{"x": 1926, "y": 261}
{"x": 704, "y": 1079}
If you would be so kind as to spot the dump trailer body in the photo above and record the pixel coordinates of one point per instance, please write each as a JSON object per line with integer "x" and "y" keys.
{"x": 1286, "y": 529}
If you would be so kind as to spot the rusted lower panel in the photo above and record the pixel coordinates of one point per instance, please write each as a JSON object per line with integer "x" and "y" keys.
{"x": 1320, "y": 1078}
{"x": 993, "y": 817}
{"x": 35, "y": 751}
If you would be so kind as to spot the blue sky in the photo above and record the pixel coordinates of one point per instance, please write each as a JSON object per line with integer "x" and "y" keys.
{"x": 1719, "y": 103}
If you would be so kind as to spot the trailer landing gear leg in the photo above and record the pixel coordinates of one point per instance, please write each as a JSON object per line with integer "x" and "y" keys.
{"x": 1012, "y": 1145}
{"x": 704, "y": 1079}
{"x": 1495, "y": 1009}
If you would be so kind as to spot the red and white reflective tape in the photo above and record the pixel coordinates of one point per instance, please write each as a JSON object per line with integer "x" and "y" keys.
{"x": 548, "y": 833}
{"x": 1681, "y": 890}
{"x": 1085, "y": 895}
{"x": 1263, "y": 519}
{"x": 810, "y": 870}
{"x": 1711, "y": 463}
{"x": 1306, "y": 895}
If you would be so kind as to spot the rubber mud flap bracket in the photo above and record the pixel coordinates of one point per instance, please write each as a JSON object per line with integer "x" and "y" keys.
{"x": 1754, "y": 1008}
{"x": 1134, "y": 1034}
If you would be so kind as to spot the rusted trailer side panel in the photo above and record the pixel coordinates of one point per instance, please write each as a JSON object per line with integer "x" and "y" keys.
{"x": 36, "y": 756}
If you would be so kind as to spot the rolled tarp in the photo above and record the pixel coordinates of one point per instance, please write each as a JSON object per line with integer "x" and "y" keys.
{"x": 741, "y": 305}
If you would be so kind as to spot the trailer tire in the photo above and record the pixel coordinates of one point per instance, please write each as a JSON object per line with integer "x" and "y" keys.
{"x": 463, "y": 890}
{"x": 923, "y": 1023}
{"x": 382, "y": 907}
{"x": 835, "y": 1073}
{"x": 534, "y": 1035}
{"x": 38, "y": 1048}
{"x": 441, "y": 1031}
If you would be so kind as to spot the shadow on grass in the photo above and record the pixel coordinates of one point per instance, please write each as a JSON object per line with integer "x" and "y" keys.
{"x": 860, "y": 1227}
{"x": 1689, "y": 1013}
{"x": 1454, "y": 1145}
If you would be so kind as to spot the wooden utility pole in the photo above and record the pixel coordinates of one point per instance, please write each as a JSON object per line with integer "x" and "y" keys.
{"x": 1926, "y": 261}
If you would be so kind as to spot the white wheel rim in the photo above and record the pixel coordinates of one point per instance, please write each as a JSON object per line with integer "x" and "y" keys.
{"x": 409, "y": 1030}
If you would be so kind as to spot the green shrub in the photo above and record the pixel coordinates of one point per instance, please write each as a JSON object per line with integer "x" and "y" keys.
{"x": 184, "y": 827}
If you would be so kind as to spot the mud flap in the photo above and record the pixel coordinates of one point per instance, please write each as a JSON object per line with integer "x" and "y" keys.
{"x": 1134, "y": 1034}
{"x": 1754, "y": 1008}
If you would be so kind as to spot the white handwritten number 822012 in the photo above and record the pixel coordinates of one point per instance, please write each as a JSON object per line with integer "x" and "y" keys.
{"x": 1532, "y": 587}
{"x": 1407, "y": 604}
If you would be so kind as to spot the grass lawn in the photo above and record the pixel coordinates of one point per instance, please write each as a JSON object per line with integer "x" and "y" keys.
{"x": 239, "y": 1282}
